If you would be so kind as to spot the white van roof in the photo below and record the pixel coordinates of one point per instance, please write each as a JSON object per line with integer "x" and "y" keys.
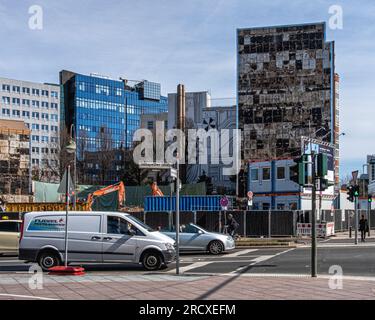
{"x": 74, "y": 212}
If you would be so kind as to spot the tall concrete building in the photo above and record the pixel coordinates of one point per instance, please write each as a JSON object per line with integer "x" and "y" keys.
{"x": 38, "y": 105}
{"x": 285, "y": 89}
{"x": 15, "y": 178}
{"x": 287, "y": 94}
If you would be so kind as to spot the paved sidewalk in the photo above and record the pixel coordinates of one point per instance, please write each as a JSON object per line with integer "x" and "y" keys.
{"x": 167, "y": 287}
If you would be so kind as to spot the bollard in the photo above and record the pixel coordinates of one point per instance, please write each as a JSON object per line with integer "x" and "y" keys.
{"x": 350, "y": 232}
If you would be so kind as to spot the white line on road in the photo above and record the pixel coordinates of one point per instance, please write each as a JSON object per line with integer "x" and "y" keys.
{"x": 260, "y": 259}
{"x": 238, "y": 253}
{"x": 25, "y": 297}
{"x": 192, "y": 266}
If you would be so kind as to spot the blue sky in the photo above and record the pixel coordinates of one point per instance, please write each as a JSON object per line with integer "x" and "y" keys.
{"x": 190, "y": 42}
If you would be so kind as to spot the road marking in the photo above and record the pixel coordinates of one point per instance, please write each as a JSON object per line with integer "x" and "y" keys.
{"x": 11, "y": 261}
{"x": 341, "y": 245}
{"x": 260, "y": 259}
{"x": 238, "y": 253}
{"x": 192, "y": 266}
{"x": 27, "y": 297}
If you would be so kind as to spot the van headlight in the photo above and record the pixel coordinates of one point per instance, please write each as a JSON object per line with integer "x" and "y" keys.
{"x": 169, "y": 246}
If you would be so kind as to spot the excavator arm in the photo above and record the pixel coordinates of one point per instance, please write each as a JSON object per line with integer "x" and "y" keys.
{"x": 120, "y": 187}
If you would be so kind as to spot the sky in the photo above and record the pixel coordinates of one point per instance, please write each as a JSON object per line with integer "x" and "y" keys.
{"x": 191, "y": 42}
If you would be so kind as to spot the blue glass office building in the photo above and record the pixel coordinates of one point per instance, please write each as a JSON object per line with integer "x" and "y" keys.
{"x": 105, "y": 114}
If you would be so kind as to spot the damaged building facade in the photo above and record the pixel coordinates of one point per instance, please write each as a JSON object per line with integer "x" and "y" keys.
{"x": 15, "y": 179}
{"x": 286, "y": 90}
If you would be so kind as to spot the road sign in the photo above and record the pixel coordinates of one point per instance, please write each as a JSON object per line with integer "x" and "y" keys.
{"x": 62, "y": 186}
{"x": 355, "y": 176}
{"x": 174, "y": 173}
{"x": 224, "y": 201}
{"x": 250, "y": 194}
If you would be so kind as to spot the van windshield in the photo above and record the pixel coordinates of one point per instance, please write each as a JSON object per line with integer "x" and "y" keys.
{"x": 142, "y": 224}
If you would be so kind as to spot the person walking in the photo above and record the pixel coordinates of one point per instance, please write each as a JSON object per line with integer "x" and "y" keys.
{"x": 363, "y": 227}
{"x": 232, "y": 225}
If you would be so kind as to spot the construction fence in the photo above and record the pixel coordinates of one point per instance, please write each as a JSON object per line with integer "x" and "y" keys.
{"x": 254, "y": 223}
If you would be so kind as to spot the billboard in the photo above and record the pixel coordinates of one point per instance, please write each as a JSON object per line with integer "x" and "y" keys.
{"x": 309, "y": 145}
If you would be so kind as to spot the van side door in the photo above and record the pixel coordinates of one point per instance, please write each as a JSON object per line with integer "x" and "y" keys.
{"x": 119, "y": 244}
{"x": 85, "y": 238}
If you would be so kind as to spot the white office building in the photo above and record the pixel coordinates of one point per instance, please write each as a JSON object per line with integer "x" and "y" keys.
{"x": 38, "y": 105}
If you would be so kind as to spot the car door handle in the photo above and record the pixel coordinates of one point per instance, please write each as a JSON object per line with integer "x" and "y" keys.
{"x": 107, "y": 238}
{"x": 95, "y": 238}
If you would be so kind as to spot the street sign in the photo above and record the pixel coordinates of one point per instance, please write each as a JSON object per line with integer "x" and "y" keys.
{"x": 173, "y": 173}
{"x": 224, "y": 201}
{"x": 62, "y": 186}
{"x": 250, "y": 194}
{"x": 355, "y": 176}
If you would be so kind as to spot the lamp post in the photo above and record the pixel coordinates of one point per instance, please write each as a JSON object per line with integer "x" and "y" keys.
{"x": 71, "y": 147}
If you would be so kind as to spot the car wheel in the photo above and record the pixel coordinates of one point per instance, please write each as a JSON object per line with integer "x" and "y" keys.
{"x": 215, "y": 247}
{"x": 48, "y": 260}
{"x": 151, "y": 261}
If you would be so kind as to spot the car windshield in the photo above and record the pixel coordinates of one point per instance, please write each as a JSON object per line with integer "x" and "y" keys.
{"x": 142, "y": 224}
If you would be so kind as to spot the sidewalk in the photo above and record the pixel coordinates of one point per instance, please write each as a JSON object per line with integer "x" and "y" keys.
{"x": 168, "y": 287}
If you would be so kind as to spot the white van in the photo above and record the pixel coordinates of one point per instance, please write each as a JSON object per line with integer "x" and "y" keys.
{"x": 99, "y": 237}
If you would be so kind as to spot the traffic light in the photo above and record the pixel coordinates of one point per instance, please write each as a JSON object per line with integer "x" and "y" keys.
{"x": 322, "y": 165}
{"x": 350, "y": 194}
{"x": 324, "y": 184}
{"x": 369, "y": 198}
{"x": 298, "y": 172}
{"x": 356, "y": 191}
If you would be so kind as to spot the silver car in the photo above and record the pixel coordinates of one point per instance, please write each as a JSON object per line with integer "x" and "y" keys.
{"x": 195, "y": 238}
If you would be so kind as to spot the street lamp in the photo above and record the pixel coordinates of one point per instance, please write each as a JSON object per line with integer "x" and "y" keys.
{"x": 70, "y": 148}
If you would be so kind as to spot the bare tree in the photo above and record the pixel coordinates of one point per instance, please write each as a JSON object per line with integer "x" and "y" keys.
{"x": 106, "y": 154}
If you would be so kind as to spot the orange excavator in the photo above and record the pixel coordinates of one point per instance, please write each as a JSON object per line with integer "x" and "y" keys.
{"x": 119, "y": 187}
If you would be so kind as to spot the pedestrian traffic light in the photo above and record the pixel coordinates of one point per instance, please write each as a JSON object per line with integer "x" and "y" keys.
{"x": 350, "y": 194}
{"x": 322, "y": 165}
{"x": 370, "y": 198}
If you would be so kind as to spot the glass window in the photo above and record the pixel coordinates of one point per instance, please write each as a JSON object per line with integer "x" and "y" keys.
{"x": 266, "y": 206}
{"x": 150, "y": 125}
{"x": 45, "y": 93}
{"x": 35, "y": 92}
{"x": 254, "y": 174}
{"x": 6, "y": 112}
{"x": 189, "y": 228}
{"x": 9, "y": 226}
{"x": 26, "y": 102}
{"x": 35, "y": 103}
{"x": 54, "y": 94}
{"x": 16, "y": 89}
{"x": 117, "y": 225}
{"x": 26, "y": 114}
{"x": 6, "y": 87}
{"x": 280, "y": 173}
{"x": 26, "y": 90}
{"x": 266, "y": 173}
{"x": 16, "y": 113}
{"x": 16, "y": 101}
{"x": 6, "y": 100}
{"x": 35, "y": 126}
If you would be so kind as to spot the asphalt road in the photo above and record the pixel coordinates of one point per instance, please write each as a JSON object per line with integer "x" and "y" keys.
{"x": 354, "y": 260}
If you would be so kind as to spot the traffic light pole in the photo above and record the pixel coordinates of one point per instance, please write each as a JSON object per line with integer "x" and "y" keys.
{"x": 356, "y": 219}
{"x": 369, "y": 217}
{"x": 314, "y": 265}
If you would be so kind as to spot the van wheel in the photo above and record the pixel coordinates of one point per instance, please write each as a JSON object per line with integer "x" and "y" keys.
{"x": 48, "y": 259}
{"x": 215, "y": 247}
{"x": 151, "y": 261}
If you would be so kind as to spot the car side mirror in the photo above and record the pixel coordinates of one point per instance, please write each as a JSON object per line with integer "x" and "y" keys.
{"x": 200, "y": 232}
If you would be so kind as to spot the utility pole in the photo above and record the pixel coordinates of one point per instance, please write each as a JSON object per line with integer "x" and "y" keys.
{"x": 356, "y": 219}
{"x": 369, "y": 201}
{"x": 178, "y": 218}
{"x": 314, "y": 265}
